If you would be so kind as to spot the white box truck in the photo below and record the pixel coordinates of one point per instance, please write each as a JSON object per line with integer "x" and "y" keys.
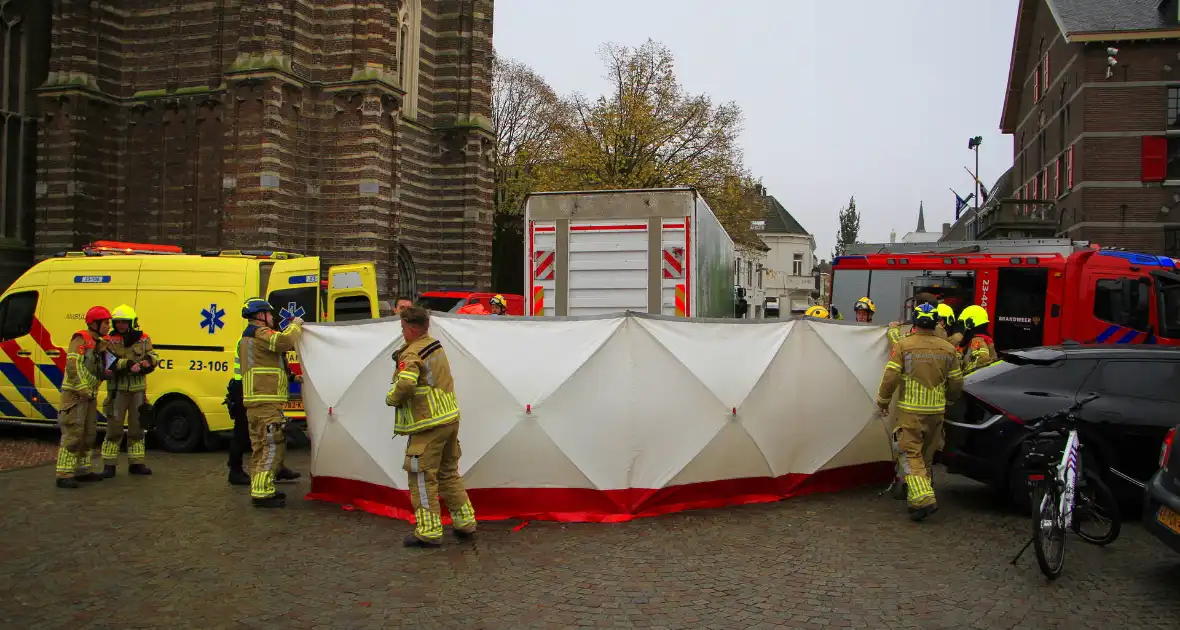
{"x": 659, "y": 251}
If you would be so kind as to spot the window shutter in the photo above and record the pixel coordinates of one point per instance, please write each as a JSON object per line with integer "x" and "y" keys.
{"x": 1037, "y": 84}
{"x": 1154, "y": 160}
{"x": 1045, "y": 73}
{"x": 1057, "y": 177}
{"x": 1069, "y": 167}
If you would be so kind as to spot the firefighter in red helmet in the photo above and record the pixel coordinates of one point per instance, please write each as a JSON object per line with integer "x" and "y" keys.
{"x": 78, "y": 415}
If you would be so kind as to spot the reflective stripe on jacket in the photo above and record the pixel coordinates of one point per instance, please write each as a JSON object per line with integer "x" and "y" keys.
{"x": 83, "y": 364}
{"x": 125, "y": 356}
{"x": 262, "y": 353}
{"x": 980, "y": 353}
{"x": 423, "y": 390}
{"x": 926, "y": 368}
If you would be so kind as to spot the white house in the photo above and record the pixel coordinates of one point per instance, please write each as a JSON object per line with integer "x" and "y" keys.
{"x": 782, "y": 273}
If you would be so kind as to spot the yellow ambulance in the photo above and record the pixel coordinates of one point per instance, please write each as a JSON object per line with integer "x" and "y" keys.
{"x": 189, "y": 304}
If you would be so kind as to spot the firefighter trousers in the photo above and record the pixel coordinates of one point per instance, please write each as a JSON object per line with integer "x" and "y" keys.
{"x": 78, "y": 421}
{"x": 125, "y": 408}
{"x": 432, "y": 462}
{"x": 270, "y": 447}
{"x": 916, "y": 436}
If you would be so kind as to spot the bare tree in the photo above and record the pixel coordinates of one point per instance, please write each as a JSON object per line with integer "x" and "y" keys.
{"x": 526, "y": 116}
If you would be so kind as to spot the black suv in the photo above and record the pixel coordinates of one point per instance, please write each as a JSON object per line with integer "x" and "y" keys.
{"x": 1140, "y": 399}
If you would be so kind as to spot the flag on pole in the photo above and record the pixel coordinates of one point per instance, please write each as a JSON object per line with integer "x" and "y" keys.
{"x": 960, "y": 202}
{"x": 980, "y": 187}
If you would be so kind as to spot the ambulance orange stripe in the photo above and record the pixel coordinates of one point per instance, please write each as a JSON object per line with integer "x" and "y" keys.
{"x": 45, "y": 340}
{"x": 24, "y": 364}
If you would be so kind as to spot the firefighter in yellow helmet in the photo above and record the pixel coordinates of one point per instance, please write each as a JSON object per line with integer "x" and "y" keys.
{"x": 424, "y": 394}
{"x": 946, "y": 324}
{"x": 134, "y": 359}
{"x": 977, "y": 347}
{"x": 864, "y": 309}
{"x": 499, "y": 305}
{"x": 816, "y": 311}
{"x": 926, "y": 369}
{"x": 262, "y": 353}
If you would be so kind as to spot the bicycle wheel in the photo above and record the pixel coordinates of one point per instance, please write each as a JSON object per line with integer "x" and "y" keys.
{"x": 1048, "y": 534}
{"x": 1096, "y": 518}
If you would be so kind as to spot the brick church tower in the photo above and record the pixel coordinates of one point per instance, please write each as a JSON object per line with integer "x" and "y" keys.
{"x": 351, "y": 129}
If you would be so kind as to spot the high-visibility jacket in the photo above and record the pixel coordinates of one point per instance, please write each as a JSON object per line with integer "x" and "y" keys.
{"x": 127, "y": 354}
{"x": 84, "y": 364}
{"x": 237, "y": 363}
{"x": 423, "y": 390}
{"x": 980, "y": 353}
{"x": 262, "y": 353}
{"x": 894, "y": 333}
{"x": 926, "y": 368}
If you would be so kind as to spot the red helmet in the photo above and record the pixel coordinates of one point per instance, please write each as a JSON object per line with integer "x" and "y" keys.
{"x": 97, "y": 314}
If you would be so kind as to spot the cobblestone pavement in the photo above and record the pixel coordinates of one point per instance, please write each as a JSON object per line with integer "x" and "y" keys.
{"x": 21, "y": 447}
{"x": 181, "y": 549}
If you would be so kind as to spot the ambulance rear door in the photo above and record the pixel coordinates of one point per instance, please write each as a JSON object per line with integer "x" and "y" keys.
{"x": 352, "y": 292}
{"x": 292, "y": 288}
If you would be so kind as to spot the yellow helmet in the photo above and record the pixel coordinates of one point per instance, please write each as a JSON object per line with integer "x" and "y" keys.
{"x": 946, "y": 313}
{"x": 125, "y": 313}
{"x": 925, "y": 312}
{"x": 498, "y": 300}
{"x": 974, "y": 315}
{"x": 817, "y": 311}
{"x": 865, "y": 304}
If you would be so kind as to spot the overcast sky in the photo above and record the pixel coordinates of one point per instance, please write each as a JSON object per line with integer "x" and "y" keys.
{"x": 873, "y": 99}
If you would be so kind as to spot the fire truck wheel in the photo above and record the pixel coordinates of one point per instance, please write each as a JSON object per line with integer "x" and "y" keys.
{"x": 180, "y": 426}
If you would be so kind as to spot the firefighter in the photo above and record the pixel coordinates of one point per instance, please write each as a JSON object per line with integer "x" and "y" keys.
{"x": 78, "y": 415}
{"x": 946, "y": 324}
{"x": 134, "y": 359}
{"x": 240, "y": 439}
{"x": 926, "y": 368}
{"x": 499, "y": 305}
{"x": 262, "y": 352}
{"x": 835, "y": 313}
{"x": 816, "y": 311}
{"x": 401, "y": 303}
{"x": 864, "y": 309}
{"x": 978, "y": 349}
{"x": 894, "y": 333}
{"x": 424, "y": 394}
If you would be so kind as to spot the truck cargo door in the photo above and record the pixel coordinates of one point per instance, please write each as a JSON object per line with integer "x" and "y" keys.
{"x": 352, "y": 292}
{"x": 1020, "y": 307}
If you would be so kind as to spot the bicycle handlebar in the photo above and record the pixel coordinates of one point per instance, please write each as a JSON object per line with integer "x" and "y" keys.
{"x": 1063, "y": 413}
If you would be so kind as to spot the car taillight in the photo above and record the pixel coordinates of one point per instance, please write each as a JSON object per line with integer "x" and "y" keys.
{"x": 1166, "y": 448}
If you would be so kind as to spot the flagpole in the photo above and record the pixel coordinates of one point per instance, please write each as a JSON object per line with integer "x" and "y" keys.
{"x": 978, "y": 184}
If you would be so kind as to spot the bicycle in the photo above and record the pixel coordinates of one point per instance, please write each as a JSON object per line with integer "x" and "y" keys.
{"x": 1057, "y": 498}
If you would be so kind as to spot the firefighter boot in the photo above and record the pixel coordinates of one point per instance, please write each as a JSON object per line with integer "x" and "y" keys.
{"x": 66, "y": 482}
{"x": 286, "y": 474}
{"x": 276, "y": 501}
{"x": 88, "y": 476}
{"x": 139, "y": 468}
{"x": 108, "y": 471}
{"x": 413, "y": 541}
{"x": 238, "y": 477}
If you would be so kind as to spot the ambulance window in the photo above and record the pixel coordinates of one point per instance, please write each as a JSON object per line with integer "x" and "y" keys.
{"x": 353, "y": 307}
{"x": 1109, "y": 306}
{"x": 16, "y": 314}
{"x": 298, "y": 302}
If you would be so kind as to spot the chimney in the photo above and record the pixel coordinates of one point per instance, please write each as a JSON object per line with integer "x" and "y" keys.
{"x": 892, "y": 236}
{"x": 946, "y": 229}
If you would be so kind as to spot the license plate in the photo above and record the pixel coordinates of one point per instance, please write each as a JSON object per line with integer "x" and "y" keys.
{"x": 1169, "y": 519}
{"x": 293, "y": 405}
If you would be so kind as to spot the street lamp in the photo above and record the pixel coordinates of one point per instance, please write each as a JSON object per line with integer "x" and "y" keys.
{"x": 973, "y": 145}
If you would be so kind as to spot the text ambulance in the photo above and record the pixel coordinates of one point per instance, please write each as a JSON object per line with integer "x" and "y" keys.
{"x": 190, "y": 306}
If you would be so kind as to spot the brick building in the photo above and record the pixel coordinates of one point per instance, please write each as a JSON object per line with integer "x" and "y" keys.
{"x": 352, "y": 130}
{"x": 1100, "y": 148}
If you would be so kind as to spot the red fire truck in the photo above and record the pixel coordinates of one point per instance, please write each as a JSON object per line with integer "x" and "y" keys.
{"x": 1081, "y": 292}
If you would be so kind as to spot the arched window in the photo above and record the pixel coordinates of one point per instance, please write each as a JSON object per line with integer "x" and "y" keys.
{"x": 409, "y": 34}
{"x": 407, "y": 276}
